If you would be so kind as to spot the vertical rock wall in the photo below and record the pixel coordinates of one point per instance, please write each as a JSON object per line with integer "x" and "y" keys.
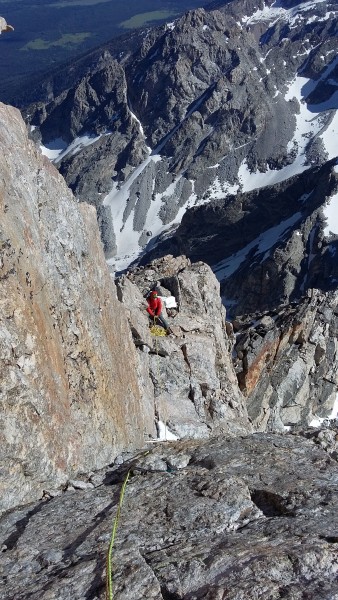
{"x": 69, "y": 395}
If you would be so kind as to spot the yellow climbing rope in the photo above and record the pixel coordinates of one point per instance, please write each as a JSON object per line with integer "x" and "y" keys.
{"x": 157, "y": 330}
{"x": 109, "y": 584}
{"x": 109, "y": 576}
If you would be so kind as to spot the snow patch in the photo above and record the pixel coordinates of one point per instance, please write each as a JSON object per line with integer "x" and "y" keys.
{"x": 57, "y": 149}
{"x": 54, "y": 148}
{"x": 273, "y": 14}
{"x": 134, "y": 117}
{"x": 330, "y": 137}
{"x": 251, "y": 181}
{"x": 331, "y": 214}
{"x": 218, "y": 190}
{"x": 164, "y": 434}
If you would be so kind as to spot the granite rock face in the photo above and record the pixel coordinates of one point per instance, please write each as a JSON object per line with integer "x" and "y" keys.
{"x": 191, "y": 373}
{"x": 67, "y": 402}
{"x": 238, "y": 518}
{"x": 75, "y": 388}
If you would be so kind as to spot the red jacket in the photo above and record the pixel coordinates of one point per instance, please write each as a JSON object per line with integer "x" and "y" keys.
{"x": 154, "y": 306}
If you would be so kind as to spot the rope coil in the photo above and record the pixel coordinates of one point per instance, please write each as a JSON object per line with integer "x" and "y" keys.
{"x": 157, "y": 330}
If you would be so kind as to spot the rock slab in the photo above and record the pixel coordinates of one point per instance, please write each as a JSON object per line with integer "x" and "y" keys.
{"x": 251, "y": 517}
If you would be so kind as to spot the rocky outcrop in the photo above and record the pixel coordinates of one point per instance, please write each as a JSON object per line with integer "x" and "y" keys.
{"x": 285, "y": 359}
{"x": 75, "y": 390}
{"x": 286, "y": 362}
{"x": 68, "y": 401}
{"x": 191, "y": 373}
{"x": 239, "y": 518}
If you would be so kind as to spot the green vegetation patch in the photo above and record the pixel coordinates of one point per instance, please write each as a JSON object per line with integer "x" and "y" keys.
{"x": 147, "y": 17}
{"x": 67, "y": 39}
{"x": 71, "y": 3}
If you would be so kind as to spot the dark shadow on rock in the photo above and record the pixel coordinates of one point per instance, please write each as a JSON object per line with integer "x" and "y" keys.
{"x": 21, "y": 525}
{"x": 101, "y": 516}
{"x": 98, "y": 583}
{"x": 271, "y": 505}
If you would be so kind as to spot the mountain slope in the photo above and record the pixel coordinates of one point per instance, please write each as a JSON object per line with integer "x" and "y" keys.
{"x": 220, "y": 100}
{"x": 267, "y": 246}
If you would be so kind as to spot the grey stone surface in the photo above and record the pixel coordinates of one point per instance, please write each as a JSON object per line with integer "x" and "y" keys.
{"x": 247, "y": 517}
{"x": 193, "y": 382}
{"x": 67, "y": 402}
{"x": 286, "y": 363}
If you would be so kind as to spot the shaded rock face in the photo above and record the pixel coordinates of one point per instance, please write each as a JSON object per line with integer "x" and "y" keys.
{"x": 241, "y": 518}
{"x": 189, "y": 373}
{"x": 68, "y": 402}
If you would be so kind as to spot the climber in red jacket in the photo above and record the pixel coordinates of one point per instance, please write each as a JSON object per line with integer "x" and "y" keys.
{"x": 155, "y": 307}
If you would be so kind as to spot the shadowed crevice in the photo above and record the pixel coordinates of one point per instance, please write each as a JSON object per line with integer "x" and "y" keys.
{"x": 271, "y": 504}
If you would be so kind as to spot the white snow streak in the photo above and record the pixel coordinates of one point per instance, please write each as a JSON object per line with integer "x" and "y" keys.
{"x": 133, "y": 116}
{"x": 54, "y": 148}
{"x": 263, "y": 243}
{"x": 57, "y": 149}
{"x": 330, "y": 137}
{"x": 274, "y": 14}
{"x": 331, "y": 214}
{"x": 126, "y": 237}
